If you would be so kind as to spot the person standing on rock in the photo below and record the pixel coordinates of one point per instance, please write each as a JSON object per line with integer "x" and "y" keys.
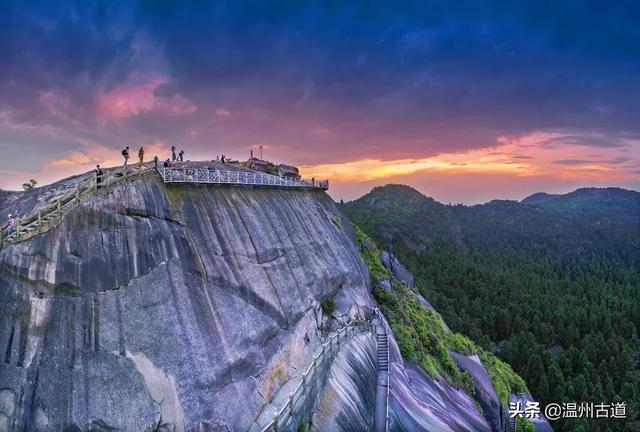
{"x": 99, "y": 174}
{"x": 155, "y": 161}
{"x": 11, "y": 224}
{"x": 141, "y": 156}
{"x": 125, "y": 154}
{"x": 181, "y": 155}
{"x": 173, "y": 153}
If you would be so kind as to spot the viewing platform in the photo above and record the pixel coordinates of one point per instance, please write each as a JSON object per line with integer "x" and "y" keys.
{"x": 44, "y": 217}
{"x": 219, "y": 173}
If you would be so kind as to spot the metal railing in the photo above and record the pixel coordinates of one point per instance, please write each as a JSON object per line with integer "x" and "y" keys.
{"x": 386, "y": 422}
{"x": 44, "y": 218}
{"x": 280, "y": 416}
{"x": 215, "y": 176}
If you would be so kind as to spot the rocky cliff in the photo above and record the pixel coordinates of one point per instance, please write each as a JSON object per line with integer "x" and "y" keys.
{"x": 178, "y": 306}
{"x": 171, "y": 308}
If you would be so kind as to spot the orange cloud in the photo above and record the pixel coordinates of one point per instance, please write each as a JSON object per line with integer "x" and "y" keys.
{"x": 98, "y": 154}
{"x": 525, "y": 156}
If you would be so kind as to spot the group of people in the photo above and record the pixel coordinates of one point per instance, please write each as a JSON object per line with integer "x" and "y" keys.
{"x": 125, "y": 155}
{"x": 174, "y": 157}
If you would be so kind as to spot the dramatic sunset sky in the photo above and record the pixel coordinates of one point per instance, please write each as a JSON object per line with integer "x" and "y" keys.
{"x": 465, "y": 101}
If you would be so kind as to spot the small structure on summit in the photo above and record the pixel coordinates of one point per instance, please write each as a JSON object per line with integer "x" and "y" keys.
{"x": 288, "y": 171}
{"x": 262, "y": 166}
{"x": 282, "y": 170}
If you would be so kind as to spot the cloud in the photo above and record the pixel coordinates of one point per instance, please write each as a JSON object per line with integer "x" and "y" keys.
{"x": 616, "y": 161}
{"x": 572, "y": 162}
{"x": 586, "y": 140}
{"x": 323, "y": 84}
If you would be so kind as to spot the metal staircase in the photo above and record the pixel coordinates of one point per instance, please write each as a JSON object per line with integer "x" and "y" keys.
{"x": 381, "y": 421}
{"x": 383, "y": 352}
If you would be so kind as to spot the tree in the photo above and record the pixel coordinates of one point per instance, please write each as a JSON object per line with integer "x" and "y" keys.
{"x": 31, "y": 184}
{"x": 523, "y": 425}
{"x": 328, "y": 306}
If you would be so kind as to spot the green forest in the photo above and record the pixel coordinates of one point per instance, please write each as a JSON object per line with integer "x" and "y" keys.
{"x": 552, "y": 287}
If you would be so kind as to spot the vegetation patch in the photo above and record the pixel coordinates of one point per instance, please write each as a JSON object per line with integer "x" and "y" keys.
{"x": 421, "y": 337}
{"x": 66, "y": 289}
{"x": 328, "y": 306}
{"x": 336, "y": 221}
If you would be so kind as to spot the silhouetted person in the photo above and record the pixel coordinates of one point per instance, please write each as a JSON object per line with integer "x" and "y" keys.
{"x": 141, "y": 155}
{"x": 181, "y": 155}
{"x": 155, "y": 161}
{"x": 173, "y": 153}
{"x": 167, "y": 163}
{"x": 99, "y": 174}
{"x": 125, "y": 154}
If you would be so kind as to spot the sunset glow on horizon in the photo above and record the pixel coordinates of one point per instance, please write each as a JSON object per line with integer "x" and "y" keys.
{"x": 463, "y": 106}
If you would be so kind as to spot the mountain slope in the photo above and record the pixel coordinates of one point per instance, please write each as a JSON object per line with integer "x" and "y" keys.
{"x": 551, "y": 285}
{"x": 195, "y": 308}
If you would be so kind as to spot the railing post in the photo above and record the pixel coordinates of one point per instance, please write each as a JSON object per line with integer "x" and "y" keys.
{"x": 39, "y": 216}
{"x": 304, "y": 381}
{"x": 290, "y": 404}
{"x": 17, "y": 228}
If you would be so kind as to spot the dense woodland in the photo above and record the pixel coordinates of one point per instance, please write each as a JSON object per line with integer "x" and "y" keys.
{"x": 551, "y": 285}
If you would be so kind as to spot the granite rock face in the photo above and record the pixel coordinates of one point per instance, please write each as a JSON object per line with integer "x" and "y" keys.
{"x": 176, "y": 307}
{"x": 348, "y": 402}
{"x": 485, "y": 393}
{"x": 418, "y": 402}
{"x": 191, "y": 308}
{"x": 397, "y": 269}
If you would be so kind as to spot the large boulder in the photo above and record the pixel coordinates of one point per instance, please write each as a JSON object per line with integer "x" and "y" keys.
{"x": 397, "y": 269}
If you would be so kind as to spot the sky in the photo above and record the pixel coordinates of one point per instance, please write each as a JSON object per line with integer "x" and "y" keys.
{"x": 466, "y": 101}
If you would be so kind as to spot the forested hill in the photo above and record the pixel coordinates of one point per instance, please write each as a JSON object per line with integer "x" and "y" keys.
{"x": 591, "y": 203}
{"x": 552, "y": 283}
{"x": 585, "y": 223}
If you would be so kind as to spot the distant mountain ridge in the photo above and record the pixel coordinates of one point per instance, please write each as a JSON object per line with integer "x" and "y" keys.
{"x": 583, "y": 219}
{"x": 594, "y": 202}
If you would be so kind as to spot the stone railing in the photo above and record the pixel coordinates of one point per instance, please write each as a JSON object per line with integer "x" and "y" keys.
{"x": 215, "y": 176}
{"x": 282, "y": 416}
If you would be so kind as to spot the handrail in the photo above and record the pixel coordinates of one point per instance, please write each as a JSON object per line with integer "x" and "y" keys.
{"x": 216, "y": 176}
{"x": 300, "y": 389}
{"x": 46, "y": 215}
{"x": 54, "y": 210}
{"x": 386, "y": 425}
